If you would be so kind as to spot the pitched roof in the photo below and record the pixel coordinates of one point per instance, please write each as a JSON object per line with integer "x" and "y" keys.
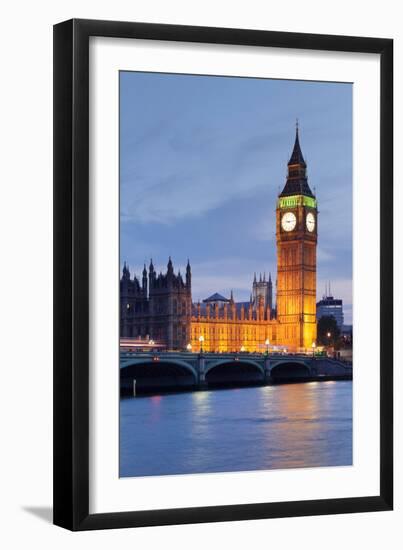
{"x": 296, "y": 186}
{"x": 216, "y": 298}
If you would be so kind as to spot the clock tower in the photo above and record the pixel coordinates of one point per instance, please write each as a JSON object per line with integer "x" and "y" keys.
{"x": 296, "y": 235}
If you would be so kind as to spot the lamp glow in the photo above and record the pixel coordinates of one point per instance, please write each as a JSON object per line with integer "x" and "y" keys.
{"x": 201, "y": 340}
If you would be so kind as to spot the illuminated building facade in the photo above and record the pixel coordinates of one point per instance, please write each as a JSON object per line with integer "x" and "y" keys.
{"x": 161, "y": 307}
{"x": 226, "y": 325}
{"x": 296, "y": 236}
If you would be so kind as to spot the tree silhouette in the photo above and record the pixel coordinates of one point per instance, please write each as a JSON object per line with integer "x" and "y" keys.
{"x": 328, "y": 331}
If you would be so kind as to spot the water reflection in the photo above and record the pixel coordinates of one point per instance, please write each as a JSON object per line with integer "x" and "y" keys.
{"x": 296, "y": 438}
{"x": 284, "y": 426}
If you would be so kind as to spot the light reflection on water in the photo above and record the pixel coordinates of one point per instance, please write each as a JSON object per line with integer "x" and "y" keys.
{"x": 284, "y": 426}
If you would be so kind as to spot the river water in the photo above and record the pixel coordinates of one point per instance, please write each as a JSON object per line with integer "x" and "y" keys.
{"x": 260, "y": 428}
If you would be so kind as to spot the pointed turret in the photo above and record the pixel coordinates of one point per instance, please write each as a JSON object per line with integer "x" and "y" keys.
{"x": 233, "y": 307}
{"x": 151, "y": 274}
{"x": 297, "y": 182}
{"x": 125, "y": 272}
{"x": 145, "y": 279}
{"x": 170, "y": 273}
{"x": 250, "y": 309}
{"x": 188, "y": 275}
{"x": 170, "y": 265}
{"x": 270, "y": 293}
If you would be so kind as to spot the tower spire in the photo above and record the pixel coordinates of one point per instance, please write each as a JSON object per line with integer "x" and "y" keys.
{"x": 297, "y": 181}
{"x": 296, "y": 155}
{"x": 145, "y": 279}
{"x": 188, "y": 275}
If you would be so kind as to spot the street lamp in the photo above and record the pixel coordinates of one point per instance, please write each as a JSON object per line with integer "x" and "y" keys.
{"x": 201, "y": 340}
{"x": 267, "y": 344}
{"x": 313, "y": 348}
{"x": 151, "y": 342}
{"x": 189, "y": 347}
{"x": 242, "y": 349}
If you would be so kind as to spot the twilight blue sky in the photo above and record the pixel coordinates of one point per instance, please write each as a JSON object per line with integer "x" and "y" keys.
{"x": 202, "y": 161}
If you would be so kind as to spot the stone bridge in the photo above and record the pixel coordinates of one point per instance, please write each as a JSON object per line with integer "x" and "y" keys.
{"x": 156, "y": 371}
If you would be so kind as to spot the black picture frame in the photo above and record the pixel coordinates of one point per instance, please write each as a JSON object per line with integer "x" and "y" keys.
{"x": 71, "y": 274}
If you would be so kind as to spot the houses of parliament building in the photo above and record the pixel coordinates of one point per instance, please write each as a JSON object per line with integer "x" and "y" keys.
{"x": 160, "y": 306}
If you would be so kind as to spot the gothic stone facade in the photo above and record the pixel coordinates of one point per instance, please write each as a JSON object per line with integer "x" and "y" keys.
{"x": 162, "y": 311}
{"x": 161, "y": 308}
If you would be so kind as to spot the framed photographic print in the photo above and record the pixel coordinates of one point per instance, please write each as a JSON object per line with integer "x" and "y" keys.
{"x": 223, "y": 274}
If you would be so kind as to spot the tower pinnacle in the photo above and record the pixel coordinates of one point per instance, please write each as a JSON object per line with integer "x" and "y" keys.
{"x": 188, "y": 275}
{"x": 297, "y": 181}
{"x": 296, "y": 155}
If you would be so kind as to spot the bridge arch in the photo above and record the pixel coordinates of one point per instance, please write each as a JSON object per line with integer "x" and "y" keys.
{"x": 156, "y": 375}
{"x": 237, "y": 371}
{"x": 240, "y": 361}
{"x": 290, "y": 370}
{"x": 150, "y": 361}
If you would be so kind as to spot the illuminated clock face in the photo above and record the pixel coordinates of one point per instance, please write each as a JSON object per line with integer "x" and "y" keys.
{"x": 288, "y": 221}
{"x": 310, "y": 221}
